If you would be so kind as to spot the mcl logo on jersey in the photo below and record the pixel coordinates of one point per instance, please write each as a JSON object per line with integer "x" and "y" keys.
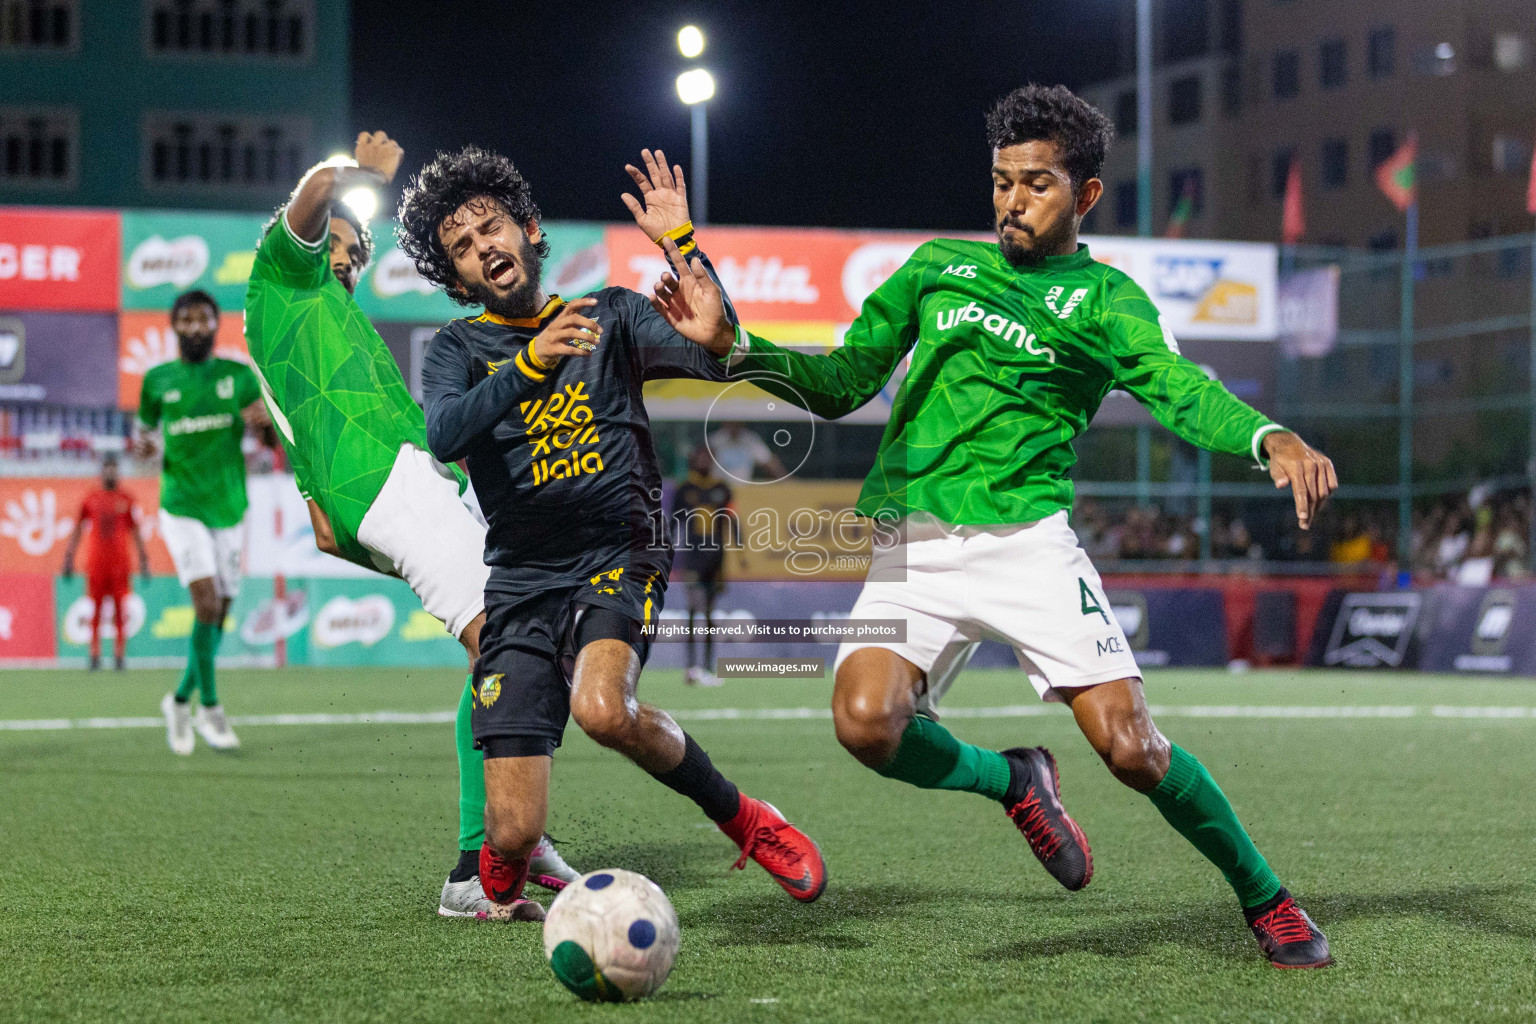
{"x": 995, "y": 324}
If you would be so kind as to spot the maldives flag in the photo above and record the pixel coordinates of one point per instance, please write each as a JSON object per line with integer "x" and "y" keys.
{"x": 1397, "y": 176}
{"x": 1293, "y": 223}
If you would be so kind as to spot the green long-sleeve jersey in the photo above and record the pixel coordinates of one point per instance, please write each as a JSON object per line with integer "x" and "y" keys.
{"x": 1009, "y": 365}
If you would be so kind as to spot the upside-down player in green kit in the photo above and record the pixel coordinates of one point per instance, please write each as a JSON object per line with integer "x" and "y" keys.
{"x": 357, "y": 443}
{"x": 1013, "y": 346}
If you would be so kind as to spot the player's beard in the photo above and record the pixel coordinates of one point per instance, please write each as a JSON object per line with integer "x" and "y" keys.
{"x": 1056, "y": 239}
{"x": 195, "y": 347}
{"x": 522, "y": 300}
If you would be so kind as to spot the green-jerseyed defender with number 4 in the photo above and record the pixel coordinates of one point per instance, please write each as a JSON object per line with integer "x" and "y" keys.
{"x": 357, "y": 443}
{"x": 1013, "y": 347}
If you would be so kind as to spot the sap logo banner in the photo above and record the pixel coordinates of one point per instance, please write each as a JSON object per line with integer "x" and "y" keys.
{"x": 344, "y": 620}
{"x": 1186, "y": 277}
{"x": 1373, "y": 630}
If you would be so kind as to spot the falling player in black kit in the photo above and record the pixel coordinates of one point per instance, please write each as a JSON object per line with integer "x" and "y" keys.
{"x": 705, "y": 522}
{"x": 543, "y": 398}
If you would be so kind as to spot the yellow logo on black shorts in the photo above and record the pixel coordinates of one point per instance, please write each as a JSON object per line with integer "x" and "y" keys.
{"x": 490, "y": 689}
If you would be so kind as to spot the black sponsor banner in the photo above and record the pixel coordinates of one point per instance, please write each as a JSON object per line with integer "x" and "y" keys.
{"x": 1374, "y": 630}
{"x": 1480, "y": 629}
{"x": 58, "y": 358}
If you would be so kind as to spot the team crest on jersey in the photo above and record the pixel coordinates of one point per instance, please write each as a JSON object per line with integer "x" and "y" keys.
{"x": 490, "y": 689}
{"x": 1053, "y": 297}
{"x": 225, "y": 388}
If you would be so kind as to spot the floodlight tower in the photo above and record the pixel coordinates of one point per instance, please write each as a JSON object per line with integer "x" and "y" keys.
{"x": 694, "y": 87}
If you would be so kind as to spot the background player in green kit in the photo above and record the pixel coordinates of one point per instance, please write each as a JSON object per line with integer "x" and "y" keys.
{"x": 1013, "y": 347}
{"x": 357, "y": 443}
{"x": 201, "y": 404}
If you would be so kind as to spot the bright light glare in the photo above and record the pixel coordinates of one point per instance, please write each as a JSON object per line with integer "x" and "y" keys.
{"x": 1445, "y": 51}
{"x": 339, "y": 160}
{"x": 364, "y": 202}
{"x": 690, "y": 41}
{"x": 695, "y": 86}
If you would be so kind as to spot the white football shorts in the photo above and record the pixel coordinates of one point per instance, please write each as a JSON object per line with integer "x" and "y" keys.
{"x": 1028, "y": 585}
{"x": 420, "y": 529}
{"x": 201, "y": 552}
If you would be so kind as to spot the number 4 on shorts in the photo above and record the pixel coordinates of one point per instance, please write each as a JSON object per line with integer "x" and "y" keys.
{"x": 1091, "y": 604}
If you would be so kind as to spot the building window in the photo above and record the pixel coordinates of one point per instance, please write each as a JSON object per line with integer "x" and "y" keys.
{"x": 39, "y": 24}
{"x": 1438, "y": 59}
{"x": 1125, "y": 204}
{"x": 230, "y": 28}
{"x": 1287, "y": 74}
{"x": 1232, "y": 27}
{"x": 1335, "y": 163}
{"x": 208, "y": 153}
{"x": 1232, "y": 90}
{"x": 1383, "y": 145}
{"x": 1125, "y": 113}
{"x": 1184, "y": 100}
{"x": 1383, "y": 52}
{"x": 1383, "y": 241}
{"x": 1185, "y": 30}
{"x": 1280, "y": 171}
{"x": 39, "y": 146}
{"x": 1188, "y": 181}
{"x": 1333, "y": 63}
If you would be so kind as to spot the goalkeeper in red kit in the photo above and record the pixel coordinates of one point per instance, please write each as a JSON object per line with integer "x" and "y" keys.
{"x": 113, "y": 519}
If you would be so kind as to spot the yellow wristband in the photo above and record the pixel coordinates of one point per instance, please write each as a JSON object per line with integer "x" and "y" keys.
{"x": 536, "y": 361}
{"x": 683, "y": 236}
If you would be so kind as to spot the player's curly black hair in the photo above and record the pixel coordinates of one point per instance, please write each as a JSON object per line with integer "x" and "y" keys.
{"x": 1053, "y": 114}
{"x": 444, "y": 185}
{"x": 338, "y": 209}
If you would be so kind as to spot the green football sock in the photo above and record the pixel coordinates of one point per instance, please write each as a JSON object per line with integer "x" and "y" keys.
{"x": 930, "y": 757}
{"x": 189, "y": 678}
{"x": 471, "y": 774}
{"x": 1197, "y": 808}
{"x": 205, "y": 645}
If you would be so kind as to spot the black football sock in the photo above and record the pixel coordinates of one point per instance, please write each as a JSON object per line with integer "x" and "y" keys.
{"x": 467, "y": 867}
{"x": 700, "y": 781}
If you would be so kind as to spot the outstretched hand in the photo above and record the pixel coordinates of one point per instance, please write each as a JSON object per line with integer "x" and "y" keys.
{"x": 690, "y": 301}
{"x": 1306, "y": 471}
{"x": 663, "y": 202}
{"x": 378, "y": 152}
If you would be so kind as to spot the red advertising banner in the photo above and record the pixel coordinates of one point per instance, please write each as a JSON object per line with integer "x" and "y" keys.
{"x": 776, "y": 274}
{"x": 58, "y": 260}
{"x": 37, "y": 515}
{"x": 146, "y": 339}
{"x": 26, "y": 618}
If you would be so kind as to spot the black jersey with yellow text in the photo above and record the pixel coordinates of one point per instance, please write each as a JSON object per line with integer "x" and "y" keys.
{"x": 561, "y": 458}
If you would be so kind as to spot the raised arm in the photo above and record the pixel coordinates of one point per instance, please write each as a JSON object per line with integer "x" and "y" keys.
{"x": 830, "y": 385}
{"x": 377, "y": 158}
{"x": 460, "y": 409}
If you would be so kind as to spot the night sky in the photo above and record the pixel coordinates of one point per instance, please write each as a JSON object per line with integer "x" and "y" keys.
{"x": 832, "y": 113}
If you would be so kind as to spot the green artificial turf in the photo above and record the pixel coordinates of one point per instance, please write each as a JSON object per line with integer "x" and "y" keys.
{"x": 297, "y": 879}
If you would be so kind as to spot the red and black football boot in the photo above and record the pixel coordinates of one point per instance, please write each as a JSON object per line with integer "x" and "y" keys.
{"x": 1033, "y": 803}
{"x": 1287, "y": 935}
{"x": 502, "y": 881}
{"x": 784, "y": 851}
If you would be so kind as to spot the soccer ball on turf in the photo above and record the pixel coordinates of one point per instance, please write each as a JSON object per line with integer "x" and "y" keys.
{"x": 611, "y": 936}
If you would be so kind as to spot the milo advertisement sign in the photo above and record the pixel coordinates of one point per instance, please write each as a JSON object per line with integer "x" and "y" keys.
{"x": 158, "y": 622}
{"x": 165, "y": 254}
{"x": 374, "y": 620}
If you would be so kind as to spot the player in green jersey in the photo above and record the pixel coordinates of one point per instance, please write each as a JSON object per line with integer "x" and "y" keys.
{"x": 201, "y": 405}
{"x": 356, "y": 440}
{"x": 1013, "y": 346}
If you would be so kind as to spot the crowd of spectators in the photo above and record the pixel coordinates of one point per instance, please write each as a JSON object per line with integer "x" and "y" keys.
{"x": 1470, "y": 539}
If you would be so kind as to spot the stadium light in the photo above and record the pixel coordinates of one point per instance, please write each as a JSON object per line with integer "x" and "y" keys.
{"x": 364, "y": 202}
{"x": 695, "y": 86}
{"x": 690, "y": 41}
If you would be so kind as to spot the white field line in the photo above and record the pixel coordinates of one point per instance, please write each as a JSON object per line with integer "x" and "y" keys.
{"x": 1290, "y": 711}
